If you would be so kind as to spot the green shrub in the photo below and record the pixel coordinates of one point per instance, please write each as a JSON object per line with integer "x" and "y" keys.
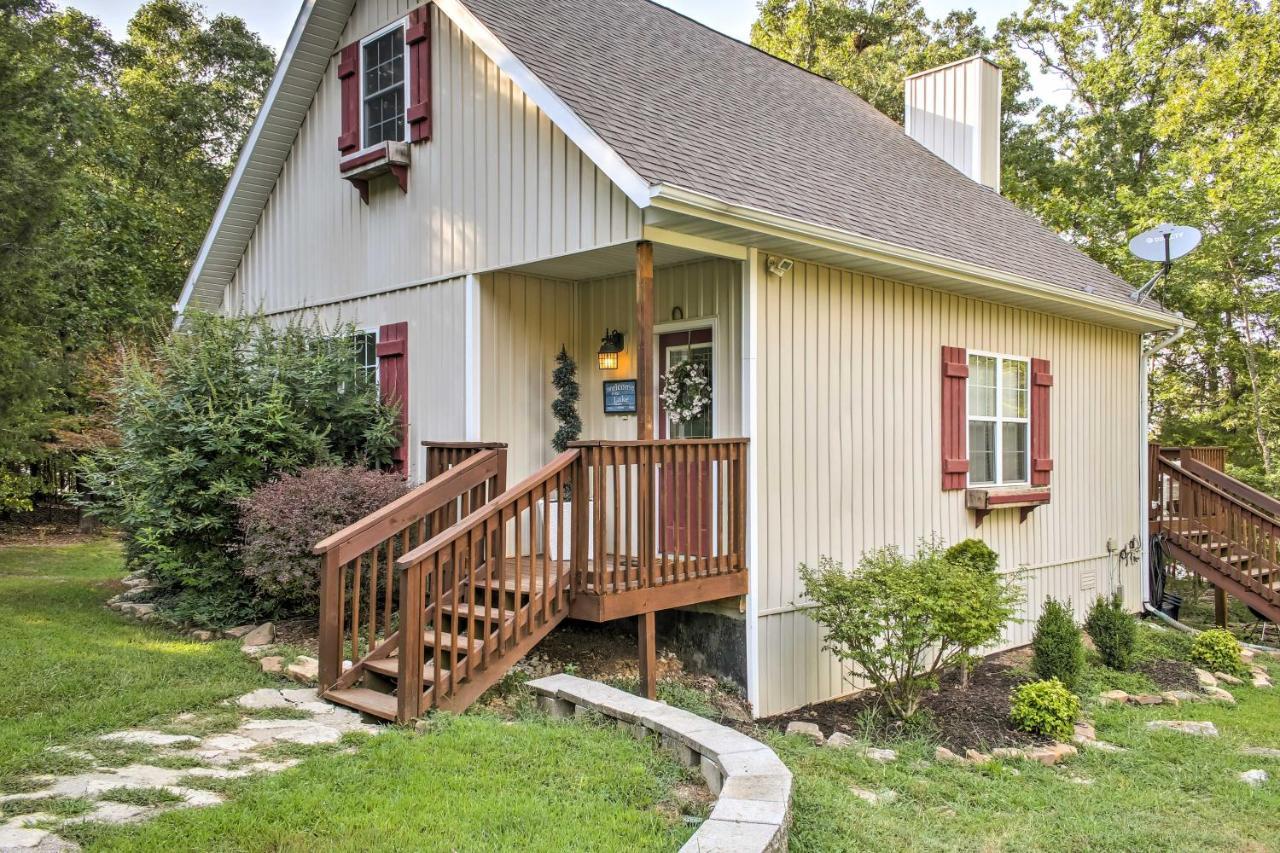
{"x": 1217, "y": 650}
{"x": 1045, "y": 708}
{"x": 1114, "y": 632}
{"x": 901, "y": 620}
{"x": 974, "y": 553}
{"x": 223, "y": 405}
{"x": 285, "y": 517}
{"x": 1058, "y": 650}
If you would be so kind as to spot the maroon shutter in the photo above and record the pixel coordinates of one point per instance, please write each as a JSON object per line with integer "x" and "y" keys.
{"x": 418, "y": 38}
{"x": 393, "y": 379}
{"x": 349, "y": 80}
{"x": 1041, "y": 460}
{"x": 955, "y": 457}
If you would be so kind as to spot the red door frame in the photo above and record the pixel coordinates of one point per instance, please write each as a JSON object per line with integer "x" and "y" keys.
{"x": 684, "y": 483}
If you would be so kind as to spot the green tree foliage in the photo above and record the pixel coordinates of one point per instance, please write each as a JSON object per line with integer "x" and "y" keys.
{"x": 115, "y": 157}
{"x": 1057, "y": 651}
{"x": 1045, "y": 708}
{"x": 225, "y": 405}
{"x": 901, "y": 620}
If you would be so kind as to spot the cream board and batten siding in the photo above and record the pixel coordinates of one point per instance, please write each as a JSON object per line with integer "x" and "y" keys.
{"x": 846, "y": 436}
{"x": 436, "y": 315}
{"x": 496, "y": 186}
{"x": 525, "y": 319}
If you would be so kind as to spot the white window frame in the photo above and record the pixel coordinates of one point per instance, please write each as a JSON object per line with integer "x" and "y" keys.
{"x": 999, "y": 420}
{"x": 402, "y": 24}
{"x": 377, "y": 374}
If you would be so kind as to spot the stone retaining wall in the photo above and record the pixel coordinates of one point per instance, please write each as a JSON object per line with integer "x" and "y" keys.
{"x": 753, "y": 786}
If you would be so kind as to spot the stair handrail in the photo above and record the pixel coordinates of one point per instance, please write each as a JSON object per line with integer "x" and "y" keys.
{"x": 414, "y": 515}
{"x": 1181, "y": 471}
{"x": 1259, "y": 500}
{"x": 489, "y": 520}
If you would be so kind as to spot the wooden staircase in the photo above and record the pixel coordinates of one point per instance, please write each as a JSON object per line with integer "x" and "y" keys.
{"x": 1219, "y": 528}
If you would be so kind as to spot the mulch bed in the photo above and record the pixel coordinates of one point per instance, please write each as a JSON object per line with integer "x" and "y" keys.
{"x": 976, "y": 717}
{"x": 1171, "y": 674}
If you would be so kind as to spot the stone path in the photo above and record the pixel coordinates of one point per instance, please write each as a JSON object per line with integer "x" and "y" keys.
{"x": 226, "y": 755}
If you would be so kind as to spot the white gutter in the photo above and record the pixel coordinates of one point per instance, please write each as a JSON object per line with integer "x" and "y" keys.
{"x": 246, "y": 152}
{"x": 680, "y": 200}
{"x": 1144, "y": 463}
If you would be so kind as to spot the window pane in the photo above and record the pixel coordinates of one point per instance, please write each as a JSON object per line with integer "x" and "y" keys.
{"x": 982, "y": 386}
{"x": 384, "y": 96}
{"x": 1013, "y": 452}
{"x": 1014, "y": 394}
{"x": 982, "y": 452}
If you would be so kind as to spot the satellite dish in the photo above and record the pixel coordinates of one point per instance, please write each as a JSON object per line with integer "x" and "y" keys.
{"x": 1163, "y": 245}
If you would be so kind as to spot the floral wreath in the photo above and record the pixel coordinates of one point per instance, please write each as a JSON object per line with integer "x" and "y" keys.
{"x": 686, "y": 391}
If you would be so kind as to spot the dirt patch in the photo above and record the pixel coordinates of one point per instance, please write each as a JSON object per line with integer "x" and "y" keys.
{"x": 1171, "y": 675}
{"x": 47, "y": 524}
{"x": 976, "y": 717}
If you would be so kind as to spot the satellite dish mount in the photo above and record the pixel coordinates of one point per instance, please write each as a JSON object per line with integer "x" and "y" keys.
{"x": 1163, "y": 244}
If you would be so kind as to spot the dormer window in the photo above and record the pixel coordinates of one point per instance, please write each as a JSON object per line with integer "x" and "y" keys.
{"x": 383, "y": 97}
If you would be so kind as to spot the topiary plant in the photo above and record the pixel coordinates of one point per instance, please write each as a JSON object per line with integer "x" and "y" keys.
{"x": 1045, "y": 708}
{"x": 1058, "y": 651}
{"x": 1217, "y": 650}
{"x": 1114, "y": 632}
{"x": 564, "y": 408}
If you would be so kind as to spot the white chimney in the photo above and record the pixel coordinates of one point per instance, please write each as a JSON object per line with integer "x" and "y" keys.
{"x": 954, "y": 111}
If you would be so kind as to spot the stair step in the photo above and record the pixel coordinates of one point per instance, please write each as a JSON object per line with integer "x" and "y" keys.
{"x": 466, "y": 644}
{"x": 390, "y": 667}
{"x": 464, "y": 610}
{"x": 363, "y": 699}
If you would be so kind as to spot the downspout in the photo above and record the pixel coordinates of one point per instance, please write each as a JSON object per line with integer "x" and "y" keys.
{"x": 1144, "y": 473}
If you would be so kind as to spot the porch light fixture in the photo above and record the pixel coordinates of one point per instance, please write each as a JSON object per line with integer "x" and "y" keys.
{"x": 610, "y": 346}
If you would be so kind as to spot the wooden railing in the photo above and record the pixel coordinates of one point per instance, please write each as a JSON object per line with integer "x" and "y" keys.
{"x": 443, "y": 455}
{"x": 492, "y": 552}
{"x": 1215, "y": 526}
{"x": 658, "y": 512}
{"x": 359, "y": 587}
{"x": 1214, "y": 457}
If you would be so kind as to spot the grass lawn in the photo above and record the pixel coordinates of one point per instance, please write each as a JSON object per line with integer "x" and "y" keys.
{"x": 1167, "y": 792}
{"x": 70, "y": 668}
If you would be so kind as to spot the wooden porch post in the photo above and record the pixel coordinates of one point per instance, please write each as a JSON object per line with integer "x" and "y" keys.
{"x": 1220, "y": 607}
{"x": 647, "y": 621}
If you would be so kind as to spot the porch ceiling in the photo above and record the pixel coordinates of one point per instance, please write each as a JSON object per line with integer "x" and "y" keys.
{"x": 609, "y": 261}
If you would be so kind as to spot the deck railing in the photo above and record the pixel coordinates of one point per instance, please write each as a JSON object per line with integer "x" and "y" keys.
{"x": 658, "y": 512}
{"x": 443, "y": 455}
{"x": 359, "y": 588}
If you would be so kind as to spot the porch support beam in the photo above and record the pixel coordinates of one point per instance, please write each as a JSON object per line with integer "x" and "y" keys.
{"x": 646, "y": 621}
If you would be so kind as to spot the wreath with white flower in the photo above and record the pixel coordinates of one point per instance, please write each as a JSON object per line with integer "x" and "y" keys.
{"x": 686, "y": 391}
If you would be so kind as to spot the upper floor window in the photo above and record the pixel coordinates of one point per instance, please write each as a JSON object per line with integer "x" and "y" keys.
{"x": 999, "y": 409}
{"x": 383, "y": 97}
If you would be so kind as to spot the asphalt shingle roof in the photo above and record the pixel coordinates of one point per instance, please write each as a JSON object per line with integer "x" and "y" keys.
{"x": 687, "y": 106}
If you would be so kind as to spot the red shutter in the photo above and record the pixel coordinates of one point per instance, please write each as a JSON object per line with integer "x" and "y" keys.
{"x": 418, "y": 38}
{"x": 1041, "y": 460}
{"x": 349, "y": 80}
{"x": 393, "y": 379}
{"x": 955, "y": 457}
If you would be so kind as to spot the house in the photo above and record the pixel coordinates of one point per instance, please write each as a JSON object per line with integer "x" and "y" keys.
{"x": 894, "y": 349}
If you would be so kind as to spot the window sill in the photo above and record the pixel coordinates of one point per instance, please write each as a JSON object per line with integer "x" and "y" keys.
{"x": 387, "y": 158}
{"x": 984, "y": 501}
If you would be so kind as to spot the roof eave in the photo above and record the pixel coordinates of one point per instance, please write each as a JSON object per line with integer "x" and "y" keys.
{"x": 679, "y": 199}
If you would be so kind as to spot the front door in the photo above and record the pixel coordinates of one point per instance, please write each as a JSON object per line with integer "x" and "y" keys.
{"x": 685, "y": 494}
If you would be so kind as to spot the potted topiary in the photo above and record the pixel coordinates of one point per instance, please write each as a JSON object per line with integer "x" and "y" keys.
{"x": 564, "y": 408}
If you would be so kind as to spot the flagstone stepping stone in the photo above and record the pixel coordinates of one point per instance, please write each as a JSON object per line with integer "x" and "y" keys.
{"x": 235, "y": 742}
{"x": 1186, "y": 727}
{"x": 262, "y": 635}
{"x": 1219, "y": 695}
{"x": 264, "y": 698}
{"x": 875, "y": 798}
{"x": 1261, "y": 752}
{"x": 1228, "y": 679}
{"x": 149, "y": 738}
{"x": 1205, "y": 679}
{"x": 272, "y": 664}
{"x": 809, "y": 730}
{"x": 1255, "y": 778}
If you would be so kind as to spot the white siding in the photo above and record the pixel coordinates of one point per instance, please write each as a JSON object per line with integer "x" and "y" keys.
{"x": 954, "y": 111}
{"x": 496, "y": 186}
{"x": 436, "y": 316}
{"x": 847, "y": 438}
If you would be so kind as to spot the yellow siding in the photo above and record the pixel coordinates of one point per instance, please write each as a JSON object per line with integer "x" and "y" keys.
{"x": 525, "y": 319}
{"x": 496, "y": 186}
{"x": 436, "y": 315}
{"x": 847, "y": 442}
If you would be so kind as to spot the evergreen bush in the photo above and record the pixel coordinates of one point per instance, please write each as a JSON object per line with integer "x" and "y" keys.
{"x": 1114, "y": 632}
{"x": 223, "y": 405}
{"x": 1045, "y": 708}
{"x": 1058, "y": 651}
{"x": 1217, "y": 650}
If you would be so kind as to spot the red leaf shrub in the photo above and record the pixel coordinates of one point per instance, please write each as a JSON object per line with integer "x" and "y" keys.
{"x": 283, "y": 519}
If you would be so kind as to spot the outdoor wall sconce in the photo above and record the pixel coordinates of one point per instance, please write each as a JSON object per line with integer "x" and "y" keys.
{"x": 610, "y": 346}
